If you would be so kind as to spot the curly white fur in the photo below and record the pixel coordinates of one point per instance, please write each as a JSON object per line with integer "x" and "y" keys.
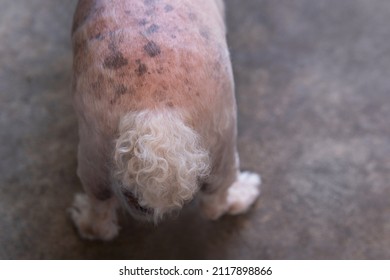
{"x": 159, "y": 159}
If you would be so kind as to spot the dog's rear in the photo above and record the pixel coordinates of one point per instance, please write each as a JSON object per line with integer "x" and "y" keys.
{"x": 153, "y": 90}
{"x": 159, "y": 161}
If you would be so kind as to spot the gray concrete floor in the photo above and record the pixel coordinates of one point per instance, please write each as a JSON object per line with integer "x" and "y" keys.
{"x": 313, "y": 94}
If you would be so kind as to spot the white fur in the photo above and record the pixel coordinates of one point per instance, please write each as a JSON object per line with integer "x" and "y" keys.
{"x": 243, "y": 193}
{"x": 94, "y": 219}
{"x": 159, "y": 159}
{"x": 234, "y": 199}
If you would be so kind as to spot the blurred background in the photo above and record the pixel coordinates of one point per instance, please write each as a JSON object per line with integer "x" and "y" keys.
{"x": 313, "y": 93}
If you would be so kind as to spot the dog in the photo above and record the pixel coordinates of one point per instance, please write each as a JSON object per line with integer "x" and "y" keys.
{"x": 154, "y": 95}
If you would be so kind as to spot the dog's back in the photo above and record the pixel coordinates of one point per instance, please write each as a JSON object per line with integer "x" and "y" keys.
{"x": 137, "y": 55}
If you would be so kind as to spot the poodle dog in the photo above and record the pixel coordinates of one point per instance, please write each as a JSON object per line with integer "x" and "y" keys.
{"x": 154, "y": 95}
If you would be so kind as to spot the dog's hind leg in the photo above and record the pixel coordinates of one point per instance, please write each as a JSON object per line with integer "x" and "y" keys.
{"x": 94, "y": 219}
{"x": 228, "y": 191}
{"x": 94, "y": 213}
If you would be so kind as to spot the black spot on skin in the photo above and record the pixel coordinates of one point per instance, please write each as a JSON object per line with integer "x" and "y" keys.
{"x": 150, "y": 12}
{"x": 97, "y": 86}
{"x": 152, "y": 29}
{"x": 170, "y": 104}
{"x": 149, "y": 2}
{"x": 120, "y": 89}
{"x": 114, "y": 100}
{"x": 128, "y": 12}
{"x": 152, "y": 7}
{"x": 192, "y": 16}
{"x": 142, "y": 68}
{"x": 173, "y": 36}
{"x": 168, "y": 8}
{"x": 98, "y": 37}
{"x": 204, "y": 33}
{"x": 115, "y": 40}
{"x": 115, "y": 61}
{"x": 143, "y": 21}
{"x": 152, "y": 49}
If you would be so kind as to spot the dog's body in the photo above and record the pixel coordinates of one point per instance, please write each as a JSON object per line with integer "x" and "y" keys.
{"x": 153, "y": 90}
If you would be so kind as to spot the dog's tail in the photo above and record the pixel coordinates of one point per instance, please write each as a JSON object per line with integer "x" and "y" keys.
{"x": 159, "y": 159}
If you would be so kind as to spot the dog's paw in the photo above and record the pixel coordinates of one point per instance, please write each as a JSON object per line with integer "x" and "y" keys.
{"x": 92, "y": 224}
{"x": 213, "y": 209}
{"x": 243, "y": 193}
